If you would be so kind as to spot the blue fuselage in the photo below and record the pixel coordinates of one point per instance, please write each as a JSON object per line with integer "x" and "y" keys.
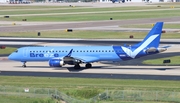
{"x": 103, "y": 53}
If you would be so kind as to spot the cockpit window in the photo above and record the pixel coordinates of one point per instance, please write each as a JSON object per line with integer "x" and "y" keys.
{"x": 16, "y": 51}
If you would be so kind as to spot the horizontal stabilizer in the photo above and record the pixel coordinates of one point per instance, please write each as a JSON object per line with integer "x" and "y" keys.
{"x": 153, "y": 49}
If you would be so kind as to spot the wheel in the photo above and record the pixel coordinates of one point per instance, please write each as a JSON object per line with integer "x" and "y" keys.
{"x": 24, "y": 66}
{"x": 77, "y": 66}
{"x": 88, "y": 65}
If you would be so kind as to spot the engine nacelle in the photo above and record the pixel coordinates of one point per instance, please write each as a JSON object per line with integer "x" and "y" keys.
{"x": 56, "y": 62}
{"x": 153, "y": 49}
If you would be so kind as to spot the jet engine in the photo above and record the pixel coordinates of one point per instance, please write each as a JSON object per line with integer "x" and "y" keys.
{"x": 57, "y": 62}
{"x": 153, "y": 49}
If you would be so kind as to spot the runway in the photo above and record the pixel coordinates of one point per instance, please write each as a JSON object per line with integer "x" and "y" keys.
{"x": 77, "y": 25}
{"x": 88, "y": 75}
{"x": 99, "y": 70}
{"x": 44, "y": 41}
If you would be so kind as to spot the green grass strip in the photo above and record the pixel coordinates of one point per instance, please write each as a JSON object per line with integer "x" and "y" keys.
{"x": 175, "y": 60}
{"x": 87, "y": 34}
{"x": 96, "y": 15}
{"x": 7, "y": 50}
{"x": 22, "y": 99}
{"x": 85, "y": 84}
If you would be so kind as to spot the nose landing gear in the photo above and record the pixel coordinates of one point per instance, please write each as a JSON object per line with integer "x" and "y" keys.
{"x": 24, "y": 64}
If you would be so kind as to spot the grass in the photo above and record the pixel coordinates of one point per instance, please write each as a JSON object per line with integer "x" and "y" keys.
{"x": 84, "y": 88}
{"x": 7, "y": 50}
{"x": 96, "y": 16}
{"x": 60, "y": 9}
{"x": 133, "y": 102}
{"x": 22, "y": 99}
{"x": 71, "y": 85}
{"x": 175, "y": 60}
{"x": 169, "y": 26}
{"x": 87, "y": 34}
{"x": 17, "y": 99}
{"x": 89, "y": 14}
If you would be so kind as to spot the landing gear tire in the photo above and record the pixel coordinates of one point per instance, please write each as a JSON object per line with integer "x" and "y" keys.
{"x": 77, "y": 66}
{"x": 24, "y": 64}
{"x": 88, "y": 65}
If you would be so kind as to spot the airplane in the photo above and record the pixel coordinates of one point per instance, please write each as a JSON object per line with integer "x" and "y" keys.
{"x": 119, "y": 1}
{"x": 58, "y": 56}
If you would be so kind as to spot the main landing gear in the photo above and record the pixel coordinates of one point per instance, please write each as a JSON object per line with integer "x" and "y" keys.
{"x": 24, "y": 64}
{"x": 77, "y": 66}
{"x": 88, "y": 65}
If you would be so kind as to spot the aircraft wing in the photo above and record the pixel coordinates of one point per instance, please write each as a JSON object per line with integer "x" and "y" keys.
{"x": 86, "y": 59}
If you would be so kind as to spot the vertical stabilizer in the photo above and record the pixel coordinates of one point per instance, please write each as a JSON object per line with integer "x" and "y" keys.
{"x": 153, "y": 37}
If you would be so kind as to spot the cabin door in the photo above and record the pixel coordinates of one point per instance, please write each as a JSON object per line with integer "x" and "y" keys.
{"x": 25, "y": 51}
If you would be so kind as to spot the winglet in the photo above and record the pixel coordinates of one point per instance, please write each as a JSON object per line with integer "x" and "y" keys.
{"x": 69, "y": 54}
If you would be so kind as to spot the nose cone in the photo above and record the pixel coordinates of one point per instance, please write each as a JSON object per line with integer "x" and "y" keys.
{"x": 11, "y": 57}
